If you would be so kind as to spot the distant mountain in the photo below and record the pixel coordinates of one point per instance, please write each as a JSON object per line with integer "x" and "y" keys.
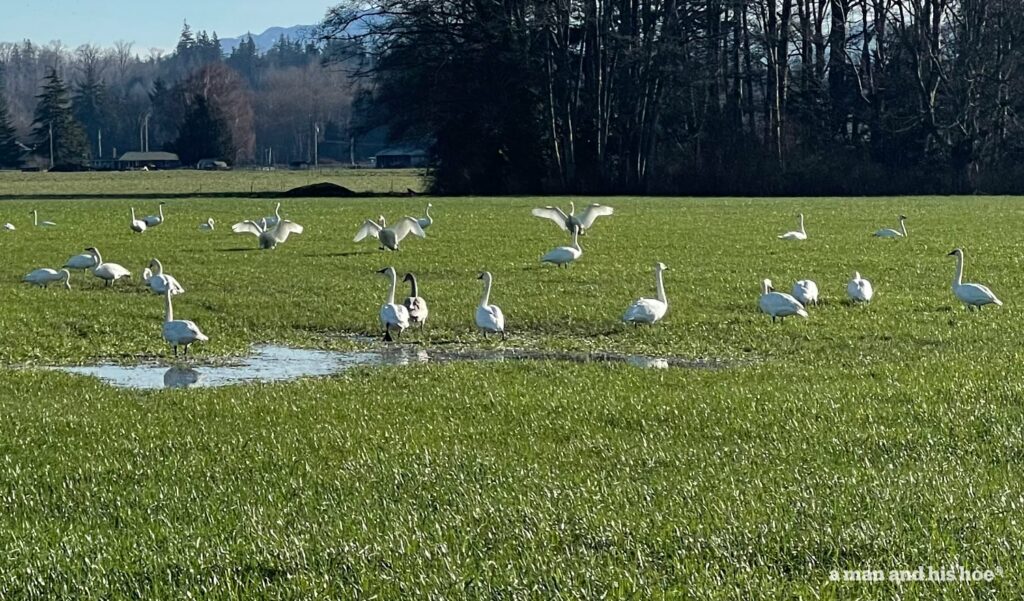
{"x": 265, "y": 41}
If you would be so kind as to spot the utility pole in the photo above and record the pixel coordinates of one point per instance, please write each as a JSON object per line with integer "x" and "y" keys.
{"x": 99, "y": 143}
{"x": 316, "y": 144}
{"x": 51, "y": 144}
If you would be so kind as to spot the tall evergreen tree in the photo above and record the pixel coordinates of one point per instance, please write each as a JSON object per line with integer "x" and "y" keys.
{"x": 10, "y": 151}
{"x": 53, "y": 114}
{"x": 90, "y": 105}
{"x": 204, "y": 134}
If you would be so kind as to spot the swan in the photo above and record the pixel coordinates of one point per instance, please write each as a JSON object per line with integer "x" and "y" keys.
{"x": 110, "y": 272}
{"x": 778, "y": 304}
{"x": 414, "y": 303}
{"x": 806, "y": 291}
{"x": 273, "y": 220}
{"x": 892, "y": 233}
{"x": 798, "y": 234}
{"x": 137, "y": 225}
{"x": 649, "y": 310}
{"x": 37, "y": 223}
{"x": 563, "y": 255}
{"x": 573, "y": 222}
{"x": 82, "y": 261}
{"x": 392, "y": 315}
{"x": 179, "y": 332}
{"x": 390, "y": 237}
{"x": 859, "y": 290}
{"x": 158, "y": 281}
{"x": 44, "y": 277}
{"x": 208, "y": 226}
{"x": 489, "y": 318}
{"x": 971, "y": 295}
{"x": 427, "y": 221}
{"x": 269, "y": 236}
{"x": 9, "y": 227}
{"x": 155, "y": 220}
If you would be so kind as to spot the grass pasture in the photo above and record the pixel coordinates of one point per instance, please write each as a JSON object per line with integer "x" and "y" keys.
{"x": 863, "y": 438}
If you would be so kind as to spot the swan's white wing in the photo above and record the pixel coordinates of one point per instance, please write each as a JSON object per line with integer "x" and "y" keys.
{"x": 976, "y": 294}
{"x": 554, "y": 214}
{"x": 247, "y": 227}
{"x": 182, "y": 331}
{"x": 406, "y": 226}
{"x": 591, "y": 213}
{"x": 285, "y": 228}
{"x": 370, "y": 228}
{"x": 645, "y": 310}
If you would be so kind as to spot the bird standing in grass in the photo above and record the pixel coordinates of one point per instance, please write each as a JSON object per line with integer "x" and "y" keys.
{"x": 779, "y": 304}
{"x": 859, "y": 290}
{"x": 392, "y": 315}
{"x": 973, "y": 296}
{"x": 649, "y": 310}
{"x": 415, "y": 304}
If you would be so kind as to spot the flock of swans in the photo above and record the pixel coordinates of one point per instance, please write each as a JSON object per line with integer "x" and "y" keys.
{"x": 779, "y": 305}
{"x": 395, "y": 317}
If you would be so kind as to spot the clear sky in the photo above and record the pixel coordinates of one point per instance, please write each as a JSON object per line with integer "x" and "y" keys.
{"x": 148, "y": 23}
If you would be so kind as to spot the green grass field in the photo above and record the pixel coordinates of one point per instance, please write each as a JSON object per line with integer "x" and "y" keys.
{"x": 882, "y": 437}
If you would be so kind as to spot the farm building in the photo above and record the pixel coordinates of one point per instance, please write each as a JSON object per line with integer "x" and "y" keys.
{"x": 158, "y": 160}
{"x": 400, "y": 158}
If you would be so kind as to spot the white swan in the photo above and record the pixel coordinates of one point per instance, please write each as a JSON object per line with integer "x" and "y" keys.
{"x": 806, "y": 291}
{"x": 37, "y": 223}
{"x": 83, "y": 261}
{"x": 649, "y": 310}
{"x": 208, "y": 226}
{"x": 892, "y": 233}
{"x": 158, "y": 281}
{"x": 179, "y": 332}
{"x": 392, "y": 315}
{"x": 427, "y": 221}
{"x": 390, "y": 237}
{"x": 137, "y": 225}
{"x": 109, "y": 272}
{"x": 800, "y": 234}
{"x": 269, "y": 237}
{"x": 572, "y": 222}
{"x": 155, "y": 220}
{"x": 488, "y": 317}
{"x": 563, "y": 255}
{"x": 859, "y": 290}
{"x": 414, "y": 303}
{"x": 9, "y": 227}
{"x": 973, "y": 296}
{"x": 45, "y": 276}
{"x": 778, "y": 304}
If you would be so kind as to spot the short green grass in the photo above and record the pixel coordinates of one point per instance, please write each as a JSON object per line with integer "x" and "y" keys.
{"x": 879, "y": 437}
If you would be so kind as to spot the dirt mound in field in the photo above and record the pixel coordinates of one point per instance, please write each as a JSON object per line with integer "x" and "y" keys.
{"x": 320, "y": 190}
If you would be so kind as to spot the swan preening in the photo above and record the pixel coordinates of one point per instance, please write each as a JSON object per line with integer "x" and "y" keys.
{"x": 138, "y": 226}
{"x": 779, "y": 304}
{"x": 109, "y": 272}
{"x": 806, "y": 291}
{"x": 415, "y": 304}
{"x": 488, "y": 317}
{"x": 390, "y": 237}
{"x": 572, "y": 222}
{"x": 45, "y": 276}
{"x": 893, "y": 233}
{"x": 36, "y": 222}
{"x": 563, "y": 255}
{"x": 427, "y": 221}
{"x": 155, "y": 220}
{"x": 269, "y": 236}
{"x": 973, "y": 296}
{"x": 859, "y": 290}
{"x": 179, "y": 332}
{"x": 392, "y": 315}
{"x": 800, "y": 234}
{"x": 649, "y": 310}
{"x": 208, "y": 226}
{"x": 158, "y": 281}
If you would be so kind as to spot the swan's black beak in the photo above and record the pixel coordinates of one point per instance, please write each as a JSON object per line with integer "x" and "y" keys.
{"x": 407, "y": 278}
{"x": 480, "y": 277}
{"x": 385, "y": 270}
{"x": 952, "y": 253}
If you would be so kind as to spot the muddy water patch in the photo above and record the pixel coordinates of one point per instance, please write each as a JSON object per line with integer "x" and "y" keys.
{"x": 273, "y": 363}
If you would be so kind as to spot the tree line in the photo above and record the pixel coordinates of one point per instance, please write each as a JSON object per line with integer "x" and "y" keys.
{"x": 746, "y": 97}
{"x": 243, "y": 107}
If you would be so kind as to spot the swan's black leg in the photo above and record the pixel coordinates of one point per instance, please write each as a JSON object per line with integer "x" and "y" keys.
{"x": 503, "y": 334}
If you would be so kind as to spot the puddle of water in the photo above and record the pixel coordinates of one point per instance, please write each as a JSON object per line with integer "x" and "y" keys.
{"x": 271, "y": 363}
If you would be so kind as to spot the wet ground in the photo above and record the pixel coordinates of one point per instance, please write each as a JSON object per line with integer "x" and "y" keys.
{"x": 272, "y": 363}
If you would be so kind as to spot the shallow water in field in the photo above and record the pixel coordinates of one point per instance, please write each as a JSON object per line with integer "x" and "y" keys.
{"x": 272, "y": 363}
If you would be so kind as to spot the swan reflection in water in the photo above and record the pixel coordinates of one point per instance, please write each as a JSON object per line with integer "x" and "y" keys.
{"x": 180, "y": 377}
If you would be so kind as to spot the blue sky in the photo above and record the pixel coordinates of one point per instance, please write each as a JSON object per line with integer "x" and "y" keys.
{"x": 150, "y": 24}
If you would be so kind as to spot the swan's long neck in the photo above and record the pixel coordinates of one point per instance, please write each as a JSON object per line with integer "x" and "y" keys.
{"x": 903, "y": 227}
{"x": 391, "y": 289}
{"x": 158, "y": 267}
{"x": 660, "y": 279}
{"x": 958, "y": 276}
{"x": 802, "y": 224}
{"x": 133, "y": 213}
{"x": 415, "y": 288}
{"x": 428, "y": 211}
{"x": 161, "y": 209}
{"x": 487, "y": 292}
{"x": 277, "y": 211}
{"x": 572, "y": 208}
{"x": 96, "y": 255}
{"x": 576, "y": 239}
{"x": 35, "y": 217}
{"x": 167, "y": 305}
